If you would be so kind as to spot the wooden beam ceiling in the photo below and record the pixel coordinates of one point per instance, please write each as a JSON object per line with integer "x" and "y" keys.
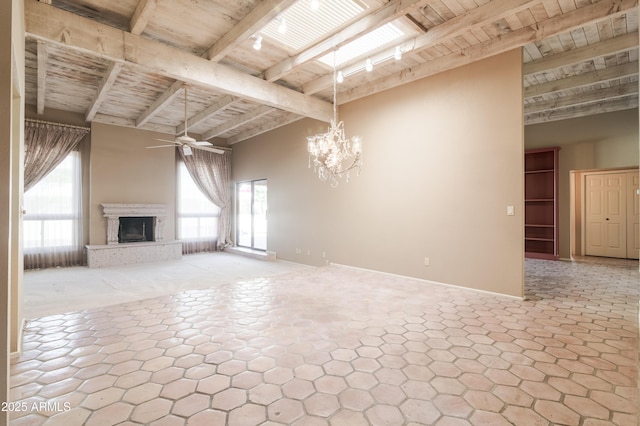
{"x": 259, "y": 16}
{"x": 108, "y": 80}
{"x": 141, "y": 16}
{"x": 562, "y": 23}
{"x": 373, "y": 20}
{"x": 47, "y": 23}
{"x": 127, "y": 50}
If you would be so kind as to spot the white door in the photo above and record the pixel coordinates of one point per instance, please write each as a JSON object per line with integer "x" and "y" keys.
{"x": 606, "y": 215}
{"x": 633, "y": 216}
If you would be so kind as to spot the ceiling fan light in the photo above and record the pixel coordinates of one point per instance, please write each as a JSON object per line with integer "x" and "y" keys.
{"x": 187, "y": 150}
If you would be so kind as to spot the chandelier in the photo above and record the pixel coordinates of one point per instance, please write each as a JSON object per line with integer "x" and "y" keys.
{"x": 334, "y": 156}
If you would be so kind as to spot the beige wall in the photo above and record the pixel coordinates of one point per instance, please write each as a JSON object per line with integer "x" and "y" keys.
{"x": 601, "y": 141}
{"x": 443, "y": 158}
{"x": 124, "y": 171}
{"x": 11, "y": 142}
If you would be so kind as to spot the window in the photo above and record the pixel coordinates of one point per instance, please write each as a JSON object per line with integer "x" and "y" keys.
{"x": 52, "y": 227}
{"x": 197, "y": 216}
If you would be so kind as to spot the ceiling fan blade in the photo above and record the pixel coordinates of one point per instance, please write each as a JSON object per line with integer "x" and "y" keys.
{"x": 166, "y": 140}
{"x": 205, "y": 148}
{"x": 203, "y": 143}
{"x": 161, "y": 146}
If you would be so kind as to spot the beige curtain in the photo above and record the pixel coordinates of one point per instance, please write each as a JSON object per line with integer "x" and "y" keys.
{"x": 212, "y": 174}
{"x": 45, "y": 146}
{"x": 52, "y": 224}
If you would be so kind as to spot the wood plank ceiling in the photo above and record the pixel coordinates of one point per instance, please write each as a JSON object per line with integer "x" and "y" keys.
{"x": 126, "y": 62}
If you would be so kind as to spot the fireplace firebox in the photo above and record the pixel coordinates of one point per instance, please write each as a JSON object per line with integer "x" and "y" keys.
{"x": 128, "y": 223}
{"x": 135, "y": 229}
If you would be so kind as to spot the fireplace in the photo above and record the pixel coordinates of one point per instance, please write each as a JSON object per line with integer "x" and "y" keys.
{"x": 135, "y": 229}
{"x": 135, "y": 234}
{"x": 129, "y": 223}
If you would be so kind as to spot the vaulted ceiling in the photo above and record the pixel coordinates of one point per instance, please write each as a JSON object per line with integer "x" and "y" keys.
{"x": 127, "y": 62}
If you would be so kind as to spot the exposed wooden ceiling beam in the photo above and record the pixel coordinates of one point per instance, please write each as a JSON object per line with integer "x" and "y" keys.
{"x": 42, "y": 76}
{"x": 584, "y": 79}
{"x": 584, "y": 110}
{"x": 124, "y": 122}
{"x": 141, "y": 16}
{"x": 105, "y": 85}
{"x": 581, "y": 54}
{"x": 45, "y": 22}
{"x": 259, "y": 16}
{"x": 595, "y": 95}
{"x": 566, "y": 22}
{"x": 221, "y": 104}
{"x": 238, "y": 121}
{"x": 387, "y": 13}
{"x": 271, "y": 125}
{"x": 480, "y": 16}
{"x": 160, "y": 103}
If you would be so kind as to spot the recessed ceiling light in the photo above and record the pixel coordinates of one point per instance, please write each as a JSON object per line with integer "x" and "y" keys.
{"x": 398, "y": 53}
{"x": 258, "y": 43}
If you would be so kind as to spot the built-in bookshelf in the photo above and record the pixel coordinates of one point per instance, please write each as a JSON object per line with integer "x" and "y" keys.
{"x": 541, "y": 203}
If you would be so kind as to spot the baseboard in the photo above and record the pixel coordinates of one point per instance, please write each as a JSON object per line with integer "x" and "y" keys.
{"x": 254, "y": 254}
{"x": 422, "y": 280}
{"x": 17, "y": 353}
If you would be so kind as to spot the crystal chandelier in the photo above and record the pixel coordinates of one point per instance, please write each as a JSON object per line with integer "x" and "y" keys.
{"x": 334, "y": 156}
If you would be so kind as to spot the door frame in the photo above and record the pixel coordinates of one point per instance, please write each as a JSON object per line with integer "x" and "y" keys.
{"x": 577, "y": 207}
{"x": 237, "y": 210}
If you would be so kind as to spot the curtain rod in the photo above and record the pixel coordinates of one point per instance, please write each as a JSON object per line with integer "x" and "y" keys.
{"x": 32, "y": 120}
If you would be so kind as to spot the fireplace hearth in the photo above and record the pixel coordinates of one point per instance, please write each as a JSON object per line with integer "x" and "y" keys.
{"x": 135, "y": 234}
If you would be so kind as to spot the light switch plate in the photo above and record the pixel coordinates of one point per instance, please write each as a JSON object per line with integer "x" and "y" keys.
{"x": 511, "y": 211}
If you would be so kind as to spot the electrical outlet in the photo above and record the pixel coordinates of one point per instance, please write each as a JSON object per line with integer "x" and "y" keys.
{"x": 427, "y": 262}
{"x": 298, "y": 251}
{"x": 324, "y": 254}
{"x": 308, "y": 252}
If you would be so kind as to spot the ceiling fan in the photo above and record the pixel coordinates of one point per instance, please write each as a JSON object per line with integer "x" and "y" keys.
{"x": 187, "y": 142}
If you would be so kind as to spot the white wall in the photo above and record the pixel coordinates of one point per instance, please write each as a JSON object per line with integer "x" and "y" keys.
{"x": 443, "y": 158}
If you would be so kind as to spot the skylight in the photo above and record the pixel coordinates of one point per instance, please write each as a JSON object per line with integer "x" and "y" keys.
{"x": 362, "y": 46}
{"x": 305, "y": 26}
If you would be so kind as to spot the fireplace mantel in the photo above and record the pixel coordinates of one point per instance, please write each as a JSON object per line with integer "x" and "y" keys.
{"x": 114, "y": 253}
{"x": 114, "y": 211}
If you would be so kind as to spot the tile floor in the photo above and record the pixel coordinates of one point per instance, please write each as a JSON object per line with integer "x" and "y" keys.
{"x": 341, "y": 346}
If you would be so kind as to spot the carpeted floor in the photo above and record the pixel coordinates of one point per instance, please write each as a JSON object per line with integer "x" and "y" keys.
{"x": 60, "y": 290}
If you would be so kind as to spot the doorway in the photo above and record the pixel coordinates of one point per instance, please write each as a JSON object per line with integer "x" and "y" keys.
{"x": 251, "y": 223}
{"x": 606, "y": 213}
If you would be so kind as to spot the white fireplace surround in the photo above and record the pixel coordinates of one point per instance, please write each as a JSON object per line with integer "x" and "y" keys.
{"x": 114, "y": 211}
{"x": 114, "y": 253}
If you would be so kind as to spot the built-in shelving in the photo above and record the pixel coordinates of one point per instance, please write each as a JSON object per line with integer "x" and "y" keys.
{"x": 541, "y": 203}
